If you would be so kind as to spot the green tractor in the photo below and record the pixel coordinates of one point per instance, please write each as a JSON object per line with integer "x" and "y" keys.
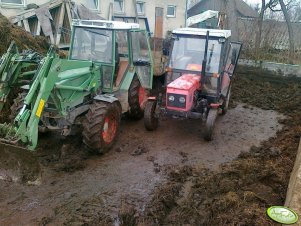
{"x": 109, "y": 71}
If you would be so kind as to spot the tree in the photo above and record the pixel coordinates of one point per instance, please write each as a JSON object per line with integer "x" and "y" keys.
{"x": 284, "y": 8}
{"x": 264, "y": 6}
{"x": 259, "y": 27}
{"x": 289, "y": 27}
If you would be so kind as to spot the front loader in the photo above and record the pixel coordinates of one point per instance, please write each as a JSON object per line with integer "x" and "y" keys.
{"x": 16, "y": 70}
{"x": 108, "y": 72}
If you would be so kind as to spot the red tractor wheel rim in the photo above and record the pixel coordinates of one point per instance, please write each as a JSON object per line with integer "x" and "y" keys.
{"x": 109, "y": 129}
{"x": 141, "y": 96}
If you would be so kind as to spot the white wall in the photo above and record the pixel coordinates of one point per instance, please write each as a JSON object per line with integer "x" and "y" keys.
{"x": 169, "y": 23}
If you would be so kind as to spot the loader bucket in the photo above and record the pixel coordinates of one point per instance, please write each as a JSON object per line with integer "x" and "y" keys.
{"x": 18, "y": 164}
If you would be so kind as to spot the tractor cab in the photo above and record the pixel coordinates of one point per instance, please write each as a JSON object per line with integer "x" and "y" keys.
{"x": 193, "y": 49}
{"x": 198, "y": 80}
{"x": 115, "y": 46}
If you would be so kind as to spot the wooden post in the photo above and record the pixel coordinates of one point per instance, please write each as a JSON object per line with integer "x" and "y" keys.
{"x": 60, "y": 24}
{"x": 68, "y": 9}
{"x": 111, "y": 12}
{"x": 26, "y": 25}
{"x": 38, "y": 28}
{"x": 136, "y": 12}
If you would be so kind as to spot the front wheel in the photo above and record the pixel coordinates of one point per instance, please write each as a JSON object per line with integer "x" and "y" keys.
{"x": 137, "y": 97}
{"x": 210, "y": 122}
{"x": 101, "y": 126}
{"x": 225, "y": 104}
{"x": 151, "y": 122}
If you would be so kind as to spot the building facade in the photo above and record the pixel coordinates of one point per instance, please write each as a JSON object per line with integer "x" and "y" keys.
{"x": 163, "y": 16}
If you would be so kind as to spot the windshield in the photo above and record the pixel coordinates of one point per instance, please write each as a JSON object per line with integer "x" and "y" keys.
{"x": 188, "y": 54}
{"x": 92, "y": 44}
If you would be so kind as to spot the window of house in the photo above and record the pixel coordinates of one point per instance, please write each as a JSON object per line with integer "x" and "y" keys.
{"x": 92, "y": 4}
{"x": 140, "y": 8}
{"x": 13, "y": 2}
{"x": 171, "y": 11}
{"x": 118, "y": 6}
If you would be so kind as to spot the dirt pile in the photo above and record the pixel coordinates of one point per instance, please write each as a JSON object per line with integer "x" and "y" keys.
{"x": 239, "y": 192}
{"x": 23, "y": 39}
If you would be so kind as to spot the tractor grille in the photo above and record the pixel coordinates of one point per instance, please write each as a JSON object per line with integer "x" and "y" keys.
{"x": 176, "y": 100}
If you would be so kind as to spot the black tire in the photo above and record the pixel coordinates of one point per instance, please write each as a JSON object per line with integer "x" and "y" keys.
{"x": 150, "y": 121}
{"x": 225, "y": 105}
{"x": 209, "y": 126}
{"x": 17, "y": 106}
{"x": 95, "y": 123}
{"x": 136, "y": 111}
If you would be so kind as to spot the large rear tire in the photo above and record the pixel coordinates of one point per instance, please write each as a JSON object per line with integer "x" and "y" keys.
{"x": 101, "y": 126}
{"x": 210, "y": 122}
{"x": 137, "y": 98}
{"x": 151, "y": 122}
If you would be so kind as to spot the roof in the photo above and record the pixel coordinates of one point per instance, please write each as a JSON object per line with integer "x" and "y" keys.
{"x": 105, "y": 24}
{"x": 203, "y": 32}
{"x": 201, "y": 17}
{"x": 245, "y": 10}
{"x": 242, "y": 8}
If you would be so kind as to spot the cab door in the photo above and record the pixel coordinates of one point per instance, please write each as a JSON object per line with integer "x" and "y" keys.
{"x": 232, "y": 59}
{"x": 142, "y": 57}
{"x": 230, "y": 66}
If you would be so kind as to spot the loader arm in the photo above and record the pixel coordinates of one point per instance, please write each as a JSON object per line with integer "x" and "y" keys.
{"x": 16, "y": 70}
{"x": 51, "y": 73}
{"x": 19, "y": 130}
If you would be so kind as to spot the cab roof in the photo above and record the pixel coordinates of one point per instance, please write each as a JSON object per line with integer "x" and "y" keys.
{"x": 118, "y": 25}
{"x": 202, "y": 32}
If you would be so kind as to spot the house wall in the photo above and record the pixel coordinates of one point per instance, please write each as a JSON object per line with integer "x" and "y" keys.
{"x": 10, "y": 10}
{"x": 169, "y": 23}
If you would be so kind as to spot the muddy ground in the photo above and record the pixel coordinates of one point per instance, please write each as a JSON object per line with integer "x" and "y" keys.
{"x": 171, "y": 176}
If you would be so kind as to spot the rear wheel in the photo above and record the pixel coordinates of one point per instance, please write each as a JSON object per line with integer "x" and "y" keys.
{"x": 150, "y": 120}
{"x": 137, "y": 98}
{"x": 210, "y": 122}
{"x": 101, "y": 126}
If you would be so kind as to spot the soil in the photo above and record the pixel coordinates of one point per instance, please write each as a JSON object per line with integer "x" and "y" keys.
{"x": 23, "y": 39}
{"x": 170, "y": 176}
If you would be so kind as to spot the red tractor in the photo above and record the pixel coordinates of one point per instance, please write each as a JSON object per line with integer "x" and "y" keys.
{"x": 198, "y": 80}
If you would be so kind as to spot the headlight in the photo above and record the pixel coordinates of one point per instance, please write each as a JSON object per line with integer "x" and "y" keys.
{"x": 171, "y": 98}
{"x": 182, "y": 100}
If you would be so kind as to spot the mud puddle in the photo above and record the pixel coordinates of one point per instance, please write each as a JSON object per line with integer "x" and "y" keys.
{"x": 80, "y": 188}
